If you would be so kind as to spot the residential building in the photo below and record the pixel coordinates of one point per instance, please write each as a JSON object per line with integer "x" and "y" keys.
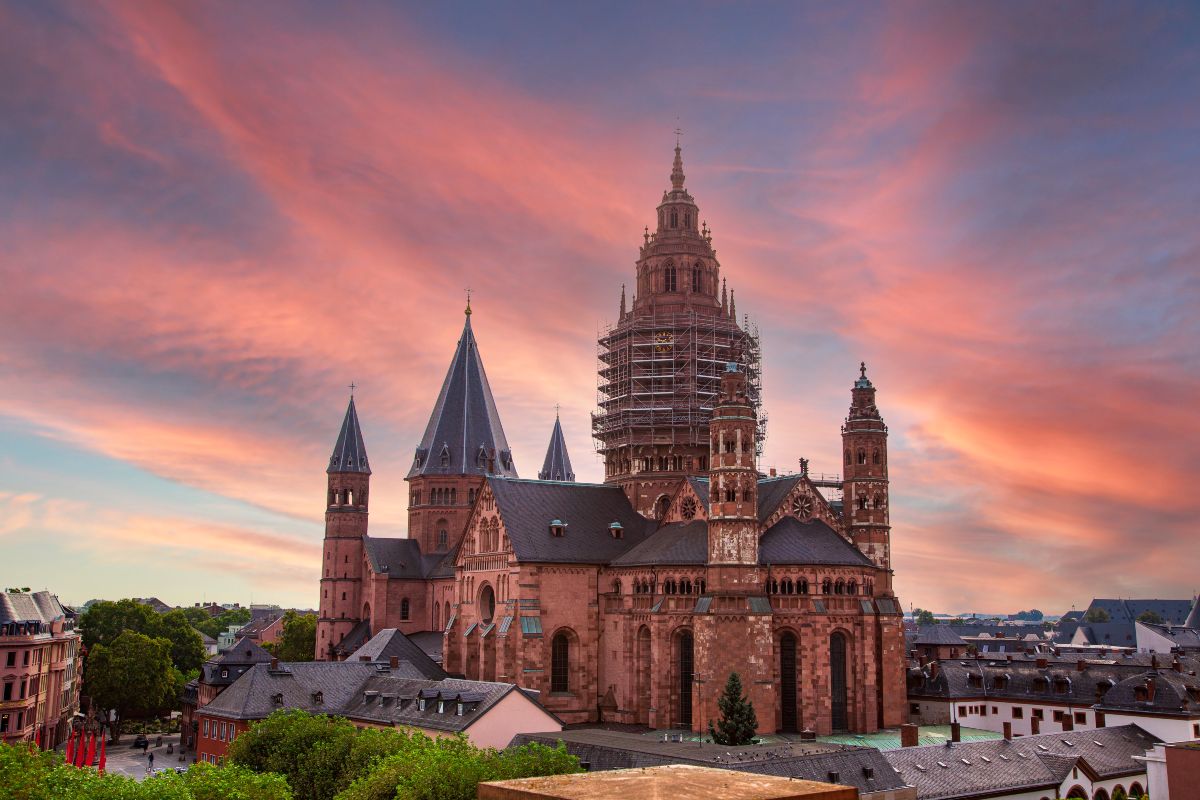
{"x": 1166, "y": 639}
{"x": 1091, "y": 765}
{"x": 216, "y": 675}
{"x": 1173, "y": 771}
{"x": 40, "y": 667}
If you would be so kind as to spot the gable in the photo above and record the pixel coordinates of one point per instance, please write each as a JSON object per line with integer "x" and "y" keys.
{"x": 793, "y": 496}
{"x": 687, "y": 504}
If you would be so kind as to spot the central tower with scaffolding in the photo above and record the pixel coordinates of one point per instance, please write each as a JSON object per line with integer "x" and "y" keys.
{"x": 660, "y": 365}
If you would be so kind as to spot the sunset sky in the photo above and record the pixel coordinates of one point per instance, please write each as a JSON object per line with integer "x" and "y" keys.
{"x": 213, "y": 217}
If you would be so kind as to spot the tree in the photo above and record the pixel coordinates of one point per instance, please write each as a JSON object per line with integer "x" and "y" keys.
{"x": 957, "y": 621}
{"x": 298, "y": 641}
{"x": 106, "y": 620}
{"x": 1097, "y": 615}
{"x": 1150, "y": 618}
{"x": 133, "y": 676}
{"x": 924, "y": 617}
{"x": 187, "y": 648}
{"x": 738, "y": 723}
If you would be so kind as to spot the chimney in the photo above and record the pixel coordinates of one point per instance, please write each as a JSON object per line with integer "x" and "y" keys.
{"x": 908, "y": 735}
{"x": 1041, "y": 663}
{"x": 922, "y": 659}
{"x": 1099, "y": 719}
{"x": 1010, "y": 656}
{"x": 1177, "y": 665}
{"x": 274, "y": 663}
{"x": 1068, "y": 722}
{"x": 955, "y": 732}
{"x": 934, "y": 669}
{"x": 364, "y": 658}
{"x": 1035, "y": 726}
{"x": 772, "y": 472}
{"x": 1008, "y": 731}
{"x": 1150, "y": 688}
{"x": 1080, "y": 665}
{"x": 394, "y": 662}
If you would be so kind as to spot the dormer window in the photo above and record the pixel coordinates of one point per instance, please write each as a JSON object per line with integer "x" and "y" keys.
{"x": 441, "y": 706}
{"x": 617, "y": 530}
{"x": 558, "y": 528}
{"x": 318, "y": 698}
{"x": 277, "y": 698}
{"x": 420, "y": 704}
{"x": 444, "y": 457}
{"x": 459, "y": 710}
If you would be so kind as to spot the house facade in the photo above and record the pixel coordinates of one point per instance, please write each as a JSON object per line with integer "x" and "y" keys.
{"x": 40, "y": 668}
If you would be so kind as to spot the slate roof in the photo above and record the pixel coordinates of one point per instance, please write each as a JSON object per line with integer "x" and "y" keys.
{"x": 252, "y": 695}
{"x": 355, "y": 638}
{"x": 676, "y": 543}
{"x": 938, "y": 635}
{"x": 1000, "y": 766}
{"x": 1183, "y": 638}
{"x": 1071, "y": 616}
{"x": 791, "y": 541}
{"x": 1193, "y": 618}
{"x": 528, "y": 508}
{"x": 430, "y": 643}
{"x": 396, "y": 701}
{"x": 463, "y": 421}
{"x": 349, "y": 452}
{"x": 1114, "y": 634}
{"x": 390, "y": 642}
{"x": 771, "y": 492}
{"x": 607, "y": 750}
{"x": 1174, "y": 612}
{"x": 700, "y": 487}
{"x": 236, "y": 661}
{"x": 1174, "y": 693}
{"x": 397, "y": 558}
{"x": 557, "y": 466}
{"x": 41, "y": 607}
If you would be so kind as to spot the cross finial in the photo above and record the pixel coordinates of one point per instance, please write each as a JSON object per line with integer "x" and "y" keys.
{"x": 353, "y": 386}
{"x": 862, "y": 368}
{"x": 468, "y": 311}
{"x": 556, "y": 410}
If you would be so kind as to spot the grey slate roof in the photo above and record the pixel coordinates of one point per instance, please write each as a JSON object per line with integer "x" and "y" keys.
{"x": 349, "y": 452}
{"x": 605, "y": 750}
{"x": 1115, "y": 634}
{"x": 430, "y": 643}
{"x": 355, "y": 638}
{"x": 771, "y": 492}
{"x": 40, "y": 607}
{"x": 396, "y": 701}
{"x": 397, "y": 558}
{"x": 1174, "y": 612}
{"x": 1183, "y": 638}
{"x": 700, "y": 487}
{"x": 1059, "y": 682}
{"x": 676, "y": 543}
{"x": 235, "y": 661}
{"x": 464, "y": 421}
{"x": 252, "y": 695}
{"x": 999, "y": 766}
{"x": 791, "y": 541}
{"x": 557, "y": 466}
{"x": 528, "y": 508}
{"x": 1174, "y": 693}
{"x": 390, "y": 642}
{"x": 937, "y": 635}
{"x": 1193, "y": 618}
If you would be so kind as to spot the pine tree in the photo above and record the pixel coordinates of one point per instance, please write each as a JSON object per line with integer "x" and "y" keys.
{"x": 738, "y": 722}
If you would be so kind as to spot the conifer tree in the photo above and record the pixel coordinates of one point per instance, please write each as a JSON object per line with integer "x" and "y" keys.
{"x": 738, "y": 722}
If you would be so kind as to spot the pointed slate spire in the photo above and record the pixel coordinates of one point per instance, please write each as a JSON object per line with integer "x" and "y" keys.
{"x": 557, "y": 466}
{"x": 349, "y": 454}
{"x": 464, "y": 435}
{"x": 622, "y": 303}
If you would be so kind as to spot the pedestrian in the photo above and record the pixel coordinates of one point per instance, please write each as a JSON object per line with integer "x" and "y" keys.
{"x": 145, "y": 746}
{"x": 152, "y": 761}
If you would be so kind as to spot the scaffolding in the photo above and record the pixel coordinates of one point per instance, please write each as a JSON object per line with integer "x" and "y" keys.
{"x": 659, "y": 378}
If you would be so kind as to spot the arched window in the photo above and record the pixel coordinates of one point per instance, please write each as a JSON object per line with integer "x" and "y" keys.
{"x": 669, "y": 283}
{"x": 851, "y": 587}
{"x": 697, "y": 280}
{"x": 862, "y": 456}
{"x": 674, "y": 218}
{"x": 686, "y": 586}
{"x": 700, "y": 584}
{"x": 437, "y": 616}
{"x": 687, "y": 219}
{"x": 838, "y": 682}
{"x": 773, "y": 587}
{"x": 802, "y": 586}
{"x": 730, "y": 495}
{"x": 826, "y": 586}
{"x": 787, "y": 586}
{"x": 875, "y": 457}
{"x": 862, "y": 502}
{"x": 1136, "y": 790}
{"x": 839, "y": 587}
{"x": 404, "y": 609}
{"x": 878, "y": 501}
{"x": 560, "y": 663}
{"x": 487, "y": 604}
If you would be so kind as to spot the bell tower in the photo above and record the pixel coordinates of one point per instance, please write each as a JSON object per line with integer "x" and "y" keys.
{"x": 733, "y": 489}
{"x": 349, "y": 480}
{"x": 865, "y": 479}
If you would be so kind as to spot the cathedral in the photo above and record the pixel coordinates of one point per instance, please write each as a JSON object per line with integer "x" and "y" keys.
{"x": 632, "y": 600}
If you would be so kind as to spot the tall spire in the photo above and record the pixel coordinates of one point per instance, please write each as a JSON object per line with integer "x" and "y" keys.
{"x": 557, "y": 466}
{"x": 349, "y": 453}
{"x": 724, "y": 298}
{"x": 677, "y": 168}
{"x": 464, "y": 435}
{"x": 622, "y": 303}
{"x": 732, "y": 306}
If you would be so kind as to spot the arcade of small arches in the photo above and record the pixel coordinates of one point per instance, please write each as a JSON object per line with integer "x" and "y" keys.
{"x": 862, "y": 457}
{"x": 788, "y": 585}
{"x": 347, "y": 496}
{"x": 671, "y": 282}
{"x": 1119, "y": 792}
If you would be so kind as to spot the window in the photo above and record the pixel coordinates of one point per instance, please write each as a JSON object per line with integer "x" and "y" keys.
{"x": 1038, "y": 713}
{"x": 875, "y": 457}
{"x": 8, "y": 690}
{"x": 697, "y": 283}
{"x": 12, "y": 658}
{"x": 1018, "y": 712}
{"x": 914, "y": 708}
{"x": 404, "y": 609}
{"x": 560, "y": 664}
{"x": 962, "y": 711}
{"x": 669, "y": 283}
{"x": 206, "y": 729}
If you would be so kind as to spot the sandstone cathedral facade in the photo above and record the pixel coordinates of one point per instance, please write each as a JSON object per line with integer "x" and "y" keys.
{"x": 632, "y": 600}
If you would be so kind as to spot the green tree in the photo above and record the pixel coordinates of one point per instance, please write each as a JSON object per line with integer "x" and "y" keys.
{"x": 924, "y": 617}
{"x": 1097, "y": 615}
{"x": 1150, "y": 618}
{"x": 957, "y": 621}
{"x": 298, "y": 640}
{"x": 738, "y": 723}
{"x": 106, "y": 620}
{"x": 187, "y": 648}
{"x": 133, "y": 676}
